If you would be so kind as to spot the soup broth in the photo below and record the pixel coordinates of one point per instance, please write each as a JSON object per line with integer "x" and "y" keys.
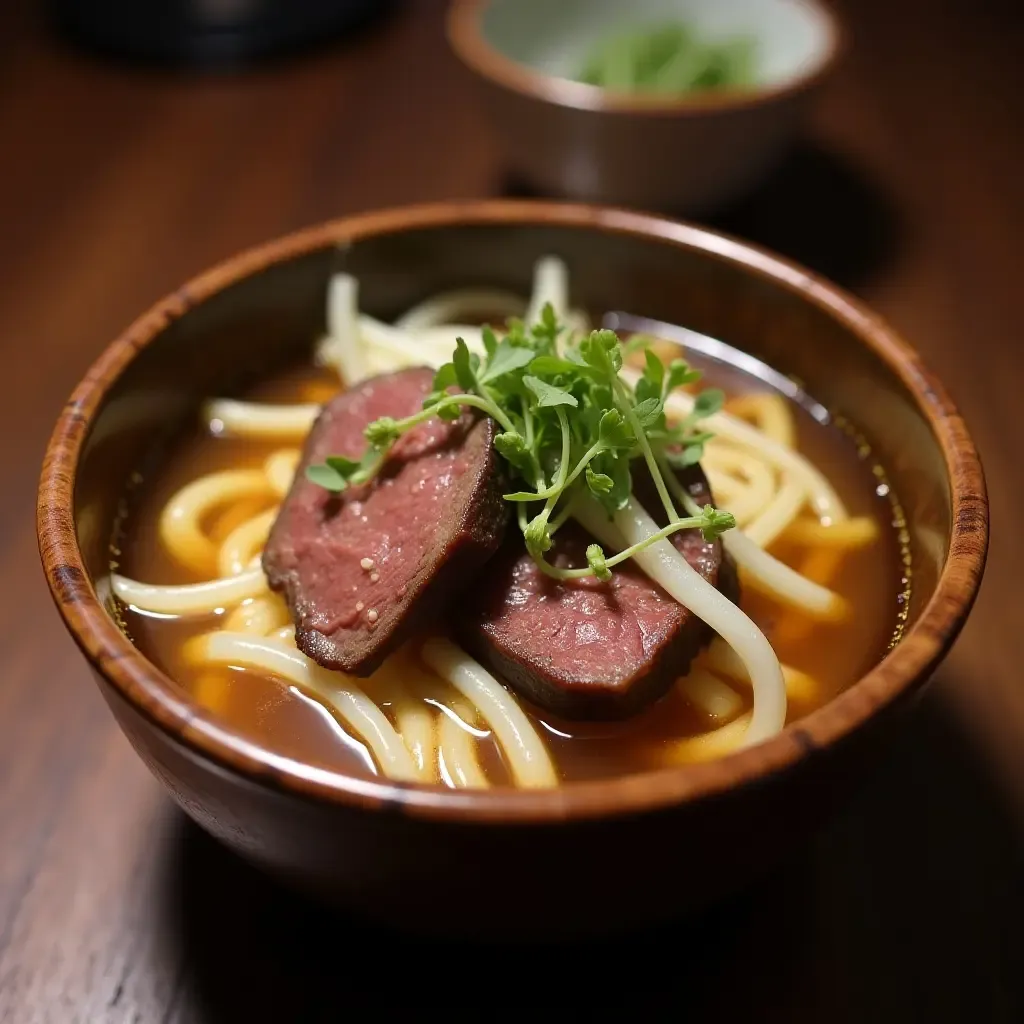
{"x": 822, "y": 657}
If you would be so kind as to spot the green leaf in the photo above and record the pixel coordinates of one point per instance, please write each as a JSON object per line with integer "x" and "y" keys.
{"x": 546, "y": 332}
{"x": 616, "y": 467}
{"x": 614, "y": 432}
{"x": 340, "y": 464}
{"x": 490, "y": 341}
{"x": 649, "y": 411}
{"x": 599, "y": 483}
{"x": 445, "y": 377}
{"x": 602, "y": 351}
{"x": 689, "y": 455}
{"x": 505, "y": 359}
{"x": 679, "y": 374}
{"x": 654, "y": 371}
{"x": 707, "y": 403}
{"x": 513, "y": 449}
{"x": 465, "y": 371}
{"x": 552, "y": 366}
{"x": 327, "y": 477}
{"x": 548, "y": 396}
{"x": 596, "y": 561}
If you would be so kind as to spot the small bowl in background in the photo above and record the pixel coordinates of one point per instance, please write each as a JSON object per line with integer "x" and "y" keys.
{"x": 689, "y": 153}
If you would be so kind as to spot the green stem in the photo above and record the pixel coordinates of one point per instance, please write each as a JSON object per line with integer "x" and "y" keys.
{"x": 645, "y": 447}
{"x": 578, "y": 574}
{"x": 678, "y": 489}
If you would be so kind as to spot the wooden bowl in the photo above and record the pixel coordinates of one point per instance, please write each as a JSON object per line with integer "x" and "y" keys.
{"x": 689, "y": 153}
{"x": 591, "y": 854}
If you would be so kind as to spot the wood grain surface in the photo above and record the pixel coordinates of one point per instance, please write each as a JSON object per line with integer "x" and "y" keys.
{"x": 116, "y": 184}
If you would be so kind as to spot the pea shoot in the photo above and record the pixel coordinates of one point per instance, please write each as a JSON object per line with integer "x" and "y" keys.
{"x": 571, "y": 428}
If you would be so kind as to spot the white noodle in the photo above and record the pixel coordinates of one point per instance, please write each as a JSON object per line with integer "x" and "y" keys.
{"x": 722, "y": 658}
{"x": 710, "y": 695}
{"x": 280, "y": 469}
{"x": 258, "y": 615}
{"x": 527, "y": 756}
{"x": 778, "y": 514}
{"x": 758, "y": 488}
{"x": 244, "y": 543}
{"x": 345, "y": 351}
{"x": 449, "y": 307}
{"x": 457, "y": 746}
{"x": 550, "y": 284}
{"x": 189, "y": 598}
{"x": 333, "y": 689}
{"x": 782, "y": 582}
{"x": 260, "y": 420}
{"x": 180, "y": 522}
{"x": 667, "y": 567}
{"x": 822, "y": 496}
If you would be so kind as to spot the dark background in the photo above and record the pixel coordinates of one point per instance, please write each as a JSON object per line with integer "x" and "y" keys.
{"x": 118, "y": 183}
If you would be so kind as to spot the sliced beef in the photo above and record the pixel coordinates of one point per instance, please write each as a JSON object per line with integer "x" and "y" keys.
{"x": 363, "y": 570}
{"x": 584, "y": 649}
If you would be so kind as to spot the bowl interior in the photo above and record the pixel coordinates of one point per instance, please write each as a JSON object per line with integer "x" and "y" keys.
{"x": 236, "y": 335}
{"x": 793, "y": 39}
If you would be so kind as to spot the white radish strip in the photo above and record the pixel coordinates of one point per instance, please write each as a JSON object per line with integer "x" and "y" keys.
{"x": 667, "y": 567}
{"x": 711, "y": 745}
{"x": 189, "y": 598}
{"x": 245, "y": 542}
{"x": 462, "y": 303}
{"x": 333, "y": 689}
{"x": 822, "y": 496}
{"x": 280, "y": 469}
{"x": 722, "y": 658}
{"x": 708, "y": 694}
{"x": 778, "y": 580}
{"x": 550, "y": 285}
{"x": 180, "y": 523}
{"x": 783, "y": 509}
{"x": 759, "y": 479}
{"x": 847, "y": 535}
{"x": 345, "y": 350}
{"x": 259, "y": 420}
{"x": 457, "y": 746}
{"x": 528, "y": 758}
{"x": 258, "y": 615}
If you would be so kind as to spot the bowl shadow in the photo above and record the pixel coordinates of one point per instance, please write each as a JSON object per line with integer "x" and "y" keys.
{"x": 905, "y": 908}
{"x": 816, "y": 208}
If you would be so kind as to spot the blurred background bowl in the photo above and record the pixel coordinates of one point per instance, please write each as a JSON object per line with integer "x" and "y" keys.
{"x": 689, "y": 153}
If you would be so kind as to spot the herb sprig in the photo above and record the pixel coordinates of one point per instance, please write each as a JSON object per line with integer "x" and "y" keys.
{"x": 570, "y": 427}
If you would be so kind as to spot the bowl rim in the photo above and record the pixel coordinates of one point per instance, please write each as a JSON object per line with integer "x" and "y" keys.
{"x": 197, "y": 732}
{"x": 473, "y": 49}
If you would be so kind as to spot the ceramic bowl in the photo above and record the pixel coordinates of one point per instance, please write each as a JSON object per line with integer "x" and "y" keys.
{"x": 591, "y": 854}
{"x": 690, "y": 154}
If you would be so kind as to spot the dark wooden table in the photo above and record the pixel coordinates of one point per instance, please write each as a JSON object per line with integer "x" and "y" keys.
{"x": 115, "y": 185}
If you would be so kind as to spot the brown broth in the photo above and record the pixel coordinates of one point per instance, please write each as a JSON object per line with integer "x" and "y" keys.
{"x": 277, "y": 716}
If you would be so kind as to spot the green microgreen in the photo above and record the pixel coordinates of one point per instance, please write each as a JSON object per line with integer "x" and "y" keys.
{"x": 571, "y": 429}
